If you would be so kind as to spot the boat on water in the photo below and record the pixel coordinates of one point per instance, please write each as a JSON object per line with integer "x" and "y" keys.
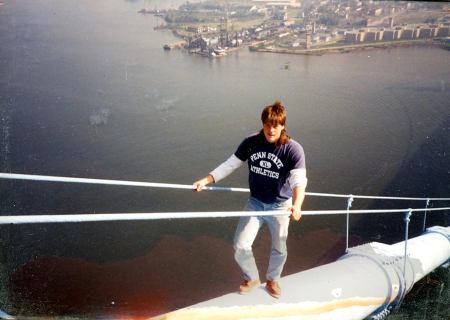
{"x": 156, "y": 12}
{"x": 220, "y": 51}
{"x": 175, "y": 45}
{"x": 217, "y": 52}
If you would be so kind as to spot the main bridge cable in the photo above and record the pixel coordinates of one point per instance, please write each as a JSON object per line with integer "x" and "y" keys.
{"x": 176, "y": 215}
{"x": 15, "y": 176}
{"x": 24, "y": 219}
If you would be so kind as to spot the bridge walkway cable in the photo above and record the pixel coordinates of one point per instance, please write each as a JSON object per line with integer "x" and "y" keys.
{"x": 21, "y": 219}
{"x": 177, "y": 215}
{"x": 15, "y": 176}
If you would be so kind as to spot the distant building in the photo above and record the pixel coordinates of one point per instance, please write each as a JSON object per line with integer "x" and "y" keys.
{"x": 376, "y": 12}
{"x": 408, "y": 34}
{"x": 443, "y": 31}
{"x": 278, "y": 3}
{"x": 398, "y": 33}
{"x": 391, "y": 22}
{"x": 371, "y": 35}
{"x": 308, "y": 40}
{"x": 426, "y": 33}
{"x": 361, "y": 36}
{"x": 417, "y": 32}
{"x": 199, "y": 43}
{"x": 325, "y": 38}
{"x": 284, "y": 34}
{"x": 208, "y": 29}
{"x": 280, "y": 15}
{"x": 434, "y": 31}
{"x": 194, "y": 29}
{"x": 351, "y": 37}
{"x": 388, "y": 35}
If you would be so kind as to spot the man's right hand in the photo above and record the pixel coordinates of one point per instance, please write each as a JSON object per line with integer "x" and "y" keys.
{"x": 199, "y": 184}
{"x": 296, "y": 213}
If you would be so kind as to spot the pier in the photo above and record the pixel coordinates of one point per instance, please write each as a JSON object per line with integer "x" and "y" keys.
{"x": 175, "y": 45}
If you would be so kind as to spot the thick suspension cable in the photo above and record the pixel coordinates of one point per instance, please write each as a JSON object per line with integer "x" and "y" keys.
{"x": 15, "y": 176}
{"x": 27, "y": 219}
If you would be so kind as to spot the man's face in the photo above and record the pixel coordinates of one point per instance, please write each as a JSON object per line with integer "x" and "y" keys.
{"x": 272, "y": 132}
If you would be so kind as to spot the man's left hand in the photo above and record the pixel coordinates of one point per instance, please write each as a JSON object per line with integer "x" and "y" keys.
{"x": 296, "y": 213}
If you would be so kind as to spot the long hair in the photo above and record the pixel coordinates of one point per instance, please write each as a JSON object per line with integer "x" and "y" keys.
{"x": 275, "y": 114}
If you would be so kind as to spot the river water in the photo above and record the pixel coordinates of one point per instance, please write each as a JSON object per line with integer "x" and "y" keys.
{"x": 86, "y": 90}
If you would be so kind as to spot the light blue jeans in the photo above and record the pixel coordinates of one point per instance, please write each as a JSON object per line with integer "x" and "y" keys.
{"x": 246, "y": 232}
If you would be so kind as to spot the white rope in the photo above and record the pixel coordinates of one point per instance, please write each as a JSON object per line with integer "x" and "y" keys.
{"x": 15, "y": 176}
{"x": 180, "y": 215}
{"x": 373, "y": 197}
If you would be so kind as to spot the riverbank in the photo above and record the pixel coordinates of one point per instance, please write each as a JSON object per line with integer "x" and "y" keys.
{"x": 345, "y": 48}
{"x": 267, "y": 46}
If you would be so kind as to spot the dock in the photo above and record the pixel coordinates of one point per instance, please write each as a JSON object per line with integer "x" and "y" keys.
{"x": 175, "y": 45}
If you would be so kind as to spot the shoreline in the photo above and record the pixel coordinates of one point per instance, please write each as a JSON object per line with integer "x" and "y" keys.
{"x": 347, "y": 48}
{"x": 328, "y": 50}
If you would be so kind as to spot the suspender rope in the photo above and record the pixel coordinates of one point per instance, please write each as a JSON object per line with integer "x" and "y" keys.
{"x": 407, "y": 219}
{"x": 425, "y": 215}
{"x": 349, "y": 205}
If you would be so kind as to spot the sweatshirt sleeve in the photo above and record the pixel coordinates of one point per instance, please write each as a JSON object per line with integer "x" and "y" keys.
{"x": 297, "y": 178}
{"x": 226, "y": 168}
{"x": 297, "y": 175}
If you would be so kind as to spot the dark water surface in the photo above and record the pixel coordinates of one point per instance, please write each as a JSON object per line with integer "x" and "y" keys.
{"x": 86, "y": 90}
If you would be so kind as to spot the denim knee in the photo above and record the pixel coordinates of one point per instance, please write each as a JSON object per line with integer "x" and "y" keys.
{"x": 281, "y": 251}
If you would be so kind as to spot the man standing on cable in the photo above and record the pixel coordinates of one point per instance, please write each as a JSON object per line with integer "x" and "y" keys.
{"x": 277, "y": 180}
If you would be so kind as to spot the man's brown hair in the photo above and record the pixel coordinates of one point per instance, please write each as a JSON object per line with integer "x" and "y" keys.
{"x": 275, "y": 114}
